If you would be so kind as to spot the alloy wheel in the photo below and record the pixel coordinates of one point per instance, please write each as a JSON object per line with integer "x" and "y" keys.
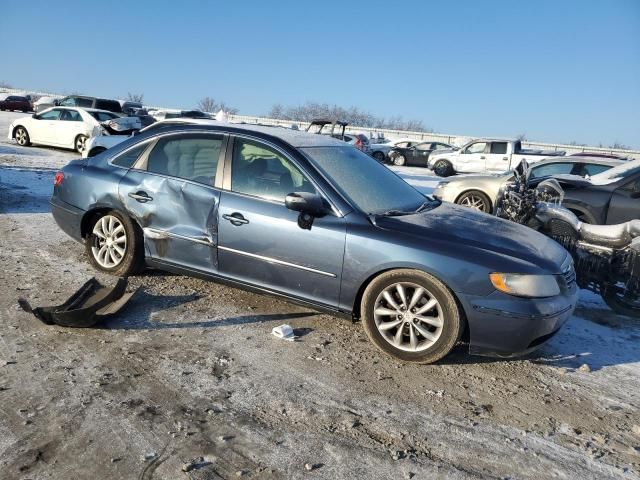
{"x": 408, "y": 317}
{"x": 81, "y": 142}
{"x": 475, "y": 202}
{"x": 109, "y": 241}
{"x": 21, "y": 137}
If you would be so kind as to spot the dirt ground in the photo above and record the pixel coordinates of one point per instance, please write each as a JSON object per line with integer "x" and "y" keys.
{"x": 188, "y": 382}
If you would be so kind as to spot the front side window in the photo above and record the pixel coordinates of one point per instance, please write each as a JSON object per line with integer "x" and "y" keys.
{"x": 68, "y": 102}
{"x": 367, "y": 184}
{"x": 551, "y": 169}
{"x": 191, "y": 156}
{"x": 261, "y": 171}
{"x": 50, "y": 115}
{"x": 499, "y": 147}
{"x": 478, "y": 147}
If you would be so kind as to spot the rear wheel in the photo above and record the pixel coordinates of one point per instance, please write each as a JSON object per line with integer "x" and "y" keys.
{"x": 443, "y": 168}
{"x": 411, "y": 316}
{"x": 81, "y": 143}
{"x": 113, "y": 244}
{"x": 22, "y": 137}
{"x": 476, "y": 200}
{"x": 399, "y": 160}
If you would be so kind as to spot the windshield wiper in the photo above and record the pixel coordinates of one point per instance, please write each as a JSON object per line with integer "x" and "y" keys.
{"x": 392, "y": 213}
{"x": 428, "y": 205}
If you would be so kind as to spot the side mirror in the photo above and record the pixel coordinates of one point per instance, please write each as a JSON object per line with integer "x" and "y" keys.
{"x": 305, "y": 202}
{"x": 35, "y": 115}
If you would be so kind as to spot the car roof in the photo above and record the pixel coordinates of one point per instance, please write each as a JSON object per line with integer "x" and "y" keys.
{"x": 295, "y": 138}
{"x": 580, "y": 159}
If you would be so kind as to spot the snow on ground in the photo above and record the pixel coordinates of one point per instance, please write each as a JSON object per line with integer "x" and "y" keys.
{"x": 167, "y": 378}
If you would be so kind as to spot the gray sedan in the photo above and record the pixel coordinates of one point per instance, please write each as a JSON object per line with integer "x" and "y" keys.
{"x": 308, "y": 218}
{"x": 480, "y": 191}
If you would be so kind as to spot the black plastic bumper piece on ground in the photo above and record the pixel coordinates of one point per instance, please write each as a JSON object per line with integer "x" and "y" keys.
{"x": 90, "y": 304}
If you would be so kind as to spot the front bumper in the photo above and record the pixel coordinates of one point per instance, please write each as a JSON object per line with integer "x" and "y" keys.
{"x": 504, "y": 325}
{"x": 68, "y": 218}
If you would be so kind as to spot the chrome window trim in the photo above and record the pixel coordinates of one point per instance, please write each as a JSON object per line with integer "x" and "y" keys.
{"x": 278, "y": 262}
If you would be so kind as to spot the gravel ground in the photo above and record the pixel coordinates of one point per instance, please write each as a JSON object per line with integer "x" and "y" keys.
{"x": 187, "y": 382}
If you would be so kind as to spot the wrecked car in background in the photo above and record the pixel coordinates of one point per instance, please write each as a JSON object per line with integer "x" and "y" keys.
{"x": 110, "y": 133}
{"x": 291, "y": 214}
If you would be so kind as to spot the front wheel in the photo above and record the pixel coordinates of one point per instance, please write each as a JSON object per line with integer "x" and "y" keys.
{"x": 113, "y": 245}
{"x": 476, "y": 200}
{"x": 443, "y": 168}
{"x": 379, "y": 156}
{"x": 22, "y": 137}
{"x": 622, "y": 304}
{"x": 411, "y": 315}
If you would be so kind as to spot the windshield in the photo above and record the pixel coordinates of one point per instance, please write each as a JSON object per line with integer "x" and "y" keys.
{"x": 616, "y": 173}
{"x": 366, "y": 183}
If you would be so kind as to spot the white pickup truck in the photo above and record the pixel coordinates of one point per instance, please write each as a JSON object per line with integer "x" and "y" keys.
{"x": 485, "y": 156}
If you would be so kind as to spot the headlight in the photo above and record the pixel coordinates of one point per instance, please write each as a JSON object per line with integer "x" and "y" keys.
{"x": 523, "y": 285}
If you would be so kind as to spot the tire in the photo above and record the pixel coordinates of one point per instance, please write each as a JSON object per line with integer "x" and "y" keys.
{"x": 621, "y": 306}
{"x": 399, "y": 160}
{"x": 96, "y": 151}
{"x": 105, "y": 233}
{"x": 379, "y": 156}
{"x": 22, "y": 137}
{"x": 395, "y": 333}
{"x": 443, "y": 168}
{"x": 476, "y": 200}
{"x": 80, "y": 143}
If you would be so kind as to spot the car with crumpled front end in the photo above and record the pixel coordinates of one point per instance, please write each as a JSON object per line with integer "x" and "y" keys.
{"x": 291, "y": 214}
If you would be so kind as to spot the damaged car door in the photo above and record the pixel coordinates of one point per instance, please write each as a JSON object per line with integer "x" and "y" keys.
{"x": 263, "y": 242}
{"x": 171, "y": 191}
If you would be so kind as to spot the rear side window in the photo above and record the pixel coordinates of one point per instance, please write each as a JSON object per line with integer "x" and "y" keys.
{"x": 128, "y": 158}
{"x": 192, "y": 157}
{"x": 71, "y": 116}
{"x": 499, "y": 147}
{"x": 103, "y": 116}
{"x": 111, "y": 105}
{"x": 590, "y": 169}
{"x": 83, "y": 102}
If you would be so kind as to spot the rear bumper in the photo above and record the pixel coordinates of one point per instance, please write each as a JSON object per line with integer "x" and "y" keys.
{"x": 504, "y": 325}
{"x": 68, "y": 218}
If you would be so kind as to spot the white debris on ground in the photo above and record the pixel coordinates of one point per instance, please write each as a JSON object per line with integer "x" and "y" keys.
{"x": 187, "y": 382}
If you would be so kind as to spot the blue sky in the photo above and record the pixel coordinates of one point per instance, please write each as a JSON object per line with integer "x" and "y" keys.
{"x": 557, "y": 71}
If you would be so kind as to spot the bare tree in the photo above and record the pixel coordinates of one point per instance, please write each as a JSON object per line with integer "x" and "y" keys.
{"x": 135, "y": 97}
{"x": 522, "y": 137}
{"x": 208, "y": 104}
{"x": 4, "y": 84}
{"x": 352, "y": 115}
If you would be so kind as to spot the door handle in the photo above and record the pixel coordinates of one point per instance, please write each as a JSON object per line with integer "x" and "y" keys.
{"x": 482, "y": 157}
{"x": 505, "y": 158}
{"x": 236, "y": 219}
{"x": 140, "y": 196}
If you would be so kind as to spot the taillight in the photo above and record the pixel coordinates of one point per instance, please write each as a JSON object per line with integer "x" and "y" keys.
{"x": 358, "y": 144}
{"x": 57, "y": 180}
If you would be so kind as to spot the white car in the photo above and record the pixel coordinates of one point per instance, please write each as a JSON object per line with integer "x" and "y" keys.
{"x": 380, "y": 151}
{"x": 65, "y": 127}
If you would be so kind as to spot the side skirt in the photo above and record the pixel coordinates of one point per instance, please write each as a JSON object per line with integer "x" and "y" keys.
{"x": 181, "y": 270}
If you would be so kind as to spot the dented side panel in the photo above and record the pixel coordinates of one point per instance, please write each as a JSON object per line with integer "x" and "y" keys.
{"x": 179, "y": 218}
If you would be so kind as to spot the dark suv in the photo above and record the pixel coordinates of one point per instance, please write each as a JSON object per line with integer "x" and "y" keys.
{"x": 90, "y": 102}
{"x": 15, "y": 102}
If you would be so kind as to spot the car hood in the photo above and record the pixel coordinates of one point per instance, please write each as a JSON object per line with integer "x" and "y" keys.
{"x": 462, "y": 226}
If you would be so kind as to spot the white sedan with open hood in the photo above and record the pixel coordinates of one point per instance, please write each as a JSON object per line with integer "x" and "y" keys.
{"x": 65, "y": 127}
